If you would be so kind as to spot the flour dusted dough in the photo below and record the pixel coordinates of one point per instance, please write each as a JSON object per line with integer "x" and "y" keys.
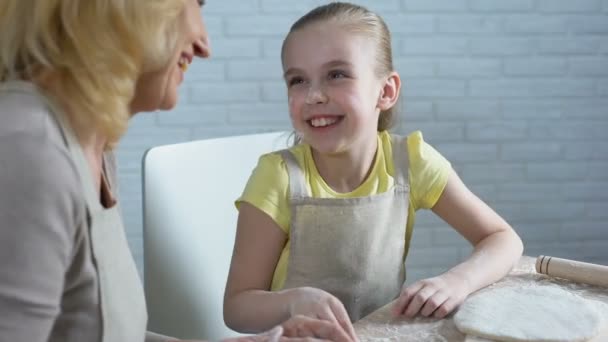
{"x": 533, "y": 314}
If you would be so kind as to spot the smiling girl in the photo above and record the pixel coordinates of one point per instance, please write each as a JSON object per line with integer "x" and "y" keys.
{"x": 324, "y": 227}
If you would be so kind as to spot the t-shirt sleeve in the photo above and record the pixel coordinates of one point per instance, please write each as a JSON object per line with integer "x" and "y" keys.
{"x": 267, "y": 189}
{"x": 38, "y": 214}
{"x": 428, "y": 172}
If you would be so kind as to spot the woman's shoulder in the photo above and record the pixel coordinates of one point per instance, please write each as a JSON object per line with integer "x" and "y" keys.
{"x": 41, "y": 187}
{"x": 32, "y": 146}
{"x": 36, "y": 161}
{"x": 24, "y": 113}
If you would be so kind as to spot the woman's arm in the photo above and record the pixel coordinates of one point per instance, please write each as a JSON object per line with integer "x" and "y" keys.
{"x": 38, "y": 211}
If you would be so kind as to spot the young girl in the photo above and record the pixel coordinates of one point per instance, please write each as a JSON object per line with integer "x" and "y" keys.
{"x": 324, "y": 227}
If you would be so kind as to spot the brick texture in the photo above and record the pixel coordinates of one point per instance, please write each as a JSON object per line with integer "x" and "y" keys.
{"x": 514, "y": 93}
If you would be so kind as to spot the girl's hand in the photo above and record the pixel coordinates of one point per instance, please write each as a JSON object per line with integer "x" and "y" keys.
{"x": 435, "y": 297}
{"x": 302, "y": 328}
{"x": 318, "y": 304}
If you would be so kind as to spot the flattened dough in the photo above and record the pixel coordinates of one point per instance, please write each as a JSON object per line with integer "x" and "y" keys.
{"x": 533, "y": 314}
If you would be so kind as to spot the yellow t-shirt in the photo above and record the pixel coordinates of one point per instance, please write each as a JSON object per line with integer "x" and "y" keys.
{"x": 268, "y": 186}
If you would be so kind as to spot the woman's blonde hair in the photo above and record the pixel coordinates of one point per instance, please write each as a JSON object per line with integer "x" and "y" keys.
{"x": 89, "y": 53}
{"x": 360, "y": 20}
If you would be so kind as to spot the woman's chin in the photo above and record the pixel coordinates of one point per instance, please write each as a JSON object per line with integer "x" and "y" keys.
{"x": 169, "y": 102}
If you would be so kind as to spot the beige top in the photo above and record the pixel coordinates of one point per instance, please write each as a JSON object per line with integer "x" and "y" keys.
{"x": 67, "y": 273}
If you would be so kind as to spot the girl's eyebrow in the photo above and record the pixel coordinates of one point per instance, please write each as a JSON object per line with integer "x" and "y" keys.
{"x": 330, "y": 64}
{"x": 337, "y": 63}
{"x": 290, "y": 72}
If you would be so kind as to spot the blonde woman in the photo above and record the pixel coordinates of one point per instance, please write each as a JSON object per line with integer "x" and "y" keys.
{"x": 72, "y": 73}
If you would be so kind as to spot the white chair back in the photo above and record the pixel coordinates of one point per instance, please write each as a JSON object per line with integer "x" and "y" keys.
{"x": 189, "y": 227}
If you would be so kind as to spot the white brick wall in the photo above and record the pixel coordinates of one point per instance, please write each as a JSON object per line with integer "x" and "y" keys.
{"x": 514, "y": 93}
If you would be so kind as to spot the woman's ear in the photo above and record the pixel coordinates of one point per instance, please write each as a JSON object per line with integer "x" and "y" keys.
{"x": 389, "y": 94}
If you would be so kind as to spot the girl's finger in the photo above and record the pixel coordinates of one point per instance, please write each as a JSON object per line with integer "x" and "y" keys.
{"x": 418, "y": 300}
{"x": 445, "y": 308}
{"x": 405, "y": 297}
{"x": 344, "y": 320}
{"x": 317, "y": 328}
{"x": 433, "y": 303}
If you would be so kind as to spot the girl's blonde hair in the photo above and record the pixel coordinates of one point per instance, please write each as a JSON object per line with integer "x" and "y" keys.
{"x": 360, "y": 20}
{"x": 88, "y": 54}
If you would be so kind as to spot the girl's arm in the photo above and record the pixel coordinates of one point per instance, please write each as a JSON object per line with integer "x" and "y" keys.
{"x": 249, "y": 306}
{"x": 496, "y": 250}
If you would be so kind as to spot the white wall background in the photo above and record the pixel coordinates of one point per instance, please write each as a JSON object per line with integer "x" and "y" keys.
{"x": 513, "y": 92}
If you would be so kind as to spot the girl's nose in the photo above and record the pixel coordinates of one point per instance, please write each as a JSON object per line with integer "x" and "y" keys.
{"x": 316, "y": 95}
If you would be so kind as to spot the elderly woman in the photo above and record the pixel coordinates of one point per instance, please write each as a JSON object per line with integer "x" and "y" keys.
{"x": 72, "y": 73}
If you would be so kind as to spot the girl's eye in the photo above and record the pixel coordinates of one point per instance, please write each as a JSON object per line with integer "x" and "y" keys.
{"x": 295, "y": 80}
{"x": 337, "y": 74}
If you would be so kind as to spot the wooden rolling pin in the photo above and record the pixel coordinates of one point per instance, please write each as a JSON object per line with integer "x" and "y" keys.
{"x": 578, "y": 271}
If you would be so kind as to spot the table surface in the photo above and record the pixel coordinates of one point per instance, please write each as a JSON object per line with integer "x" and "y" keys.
{"x": 382, "y": 326}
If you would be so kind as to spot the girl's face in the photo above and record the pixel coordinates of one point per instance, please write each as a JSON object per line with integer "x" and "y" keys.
{"x": 332, "y": 90}
{"x": 159, "y": 89}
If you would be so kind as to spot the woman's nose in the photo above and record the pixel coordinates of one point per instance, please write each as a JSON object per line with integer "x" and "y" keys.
{"x": 202, "y": 48}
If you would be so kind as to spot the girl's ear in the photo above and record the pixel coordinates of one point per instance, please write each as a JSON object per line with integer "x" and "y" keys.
{"x": 389, "y": 94}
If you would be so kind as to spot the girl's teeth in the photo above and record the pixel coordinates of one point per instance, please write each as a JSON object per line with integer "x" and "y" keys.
{"x": 322, "y": 122}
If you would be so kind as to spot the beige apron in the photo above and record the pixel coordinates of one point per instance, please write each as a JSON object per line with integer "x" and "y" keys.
{"x": 352, "y": 248}
{"x": 123, "y": 307}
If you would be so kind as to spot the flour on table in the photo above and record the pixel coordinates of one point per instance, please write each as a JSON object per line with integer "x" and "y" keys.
{"x": 530, "y": 313}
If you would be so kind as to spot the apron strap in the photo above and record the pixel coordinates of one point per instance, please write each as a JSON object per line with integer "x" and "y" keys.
{"x": 401, "y": 159}
{"x": 297, "y": 188}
